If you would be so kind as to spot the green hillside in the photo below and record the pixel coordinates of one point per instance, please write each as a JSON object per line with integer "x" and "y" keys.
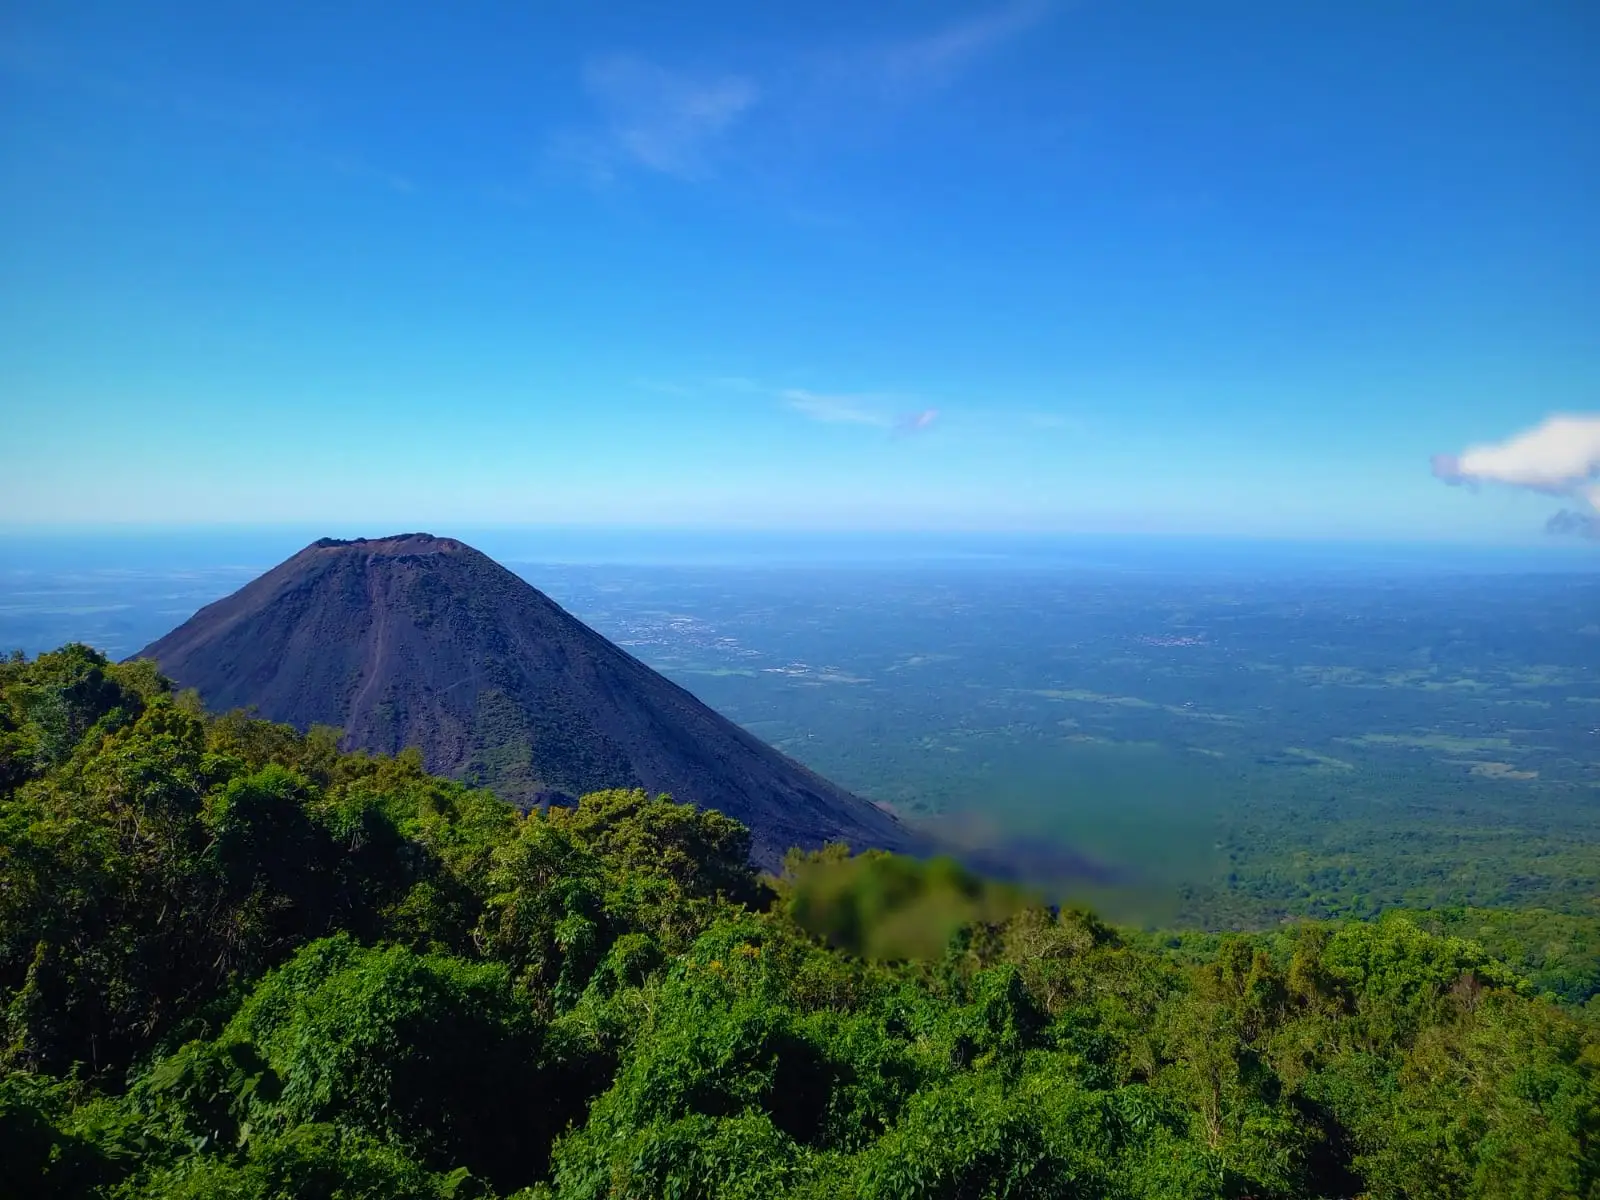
{"x": 235, "y": 962}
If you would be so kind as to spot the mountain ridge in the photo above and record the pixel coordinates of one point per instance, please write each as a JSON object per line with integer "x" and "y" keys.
{"x": 413, "y": 639}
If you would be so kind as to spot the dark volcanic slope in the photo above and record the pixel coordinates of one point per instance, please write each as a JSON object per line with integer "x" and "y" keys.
{"x": 423, "y": 641}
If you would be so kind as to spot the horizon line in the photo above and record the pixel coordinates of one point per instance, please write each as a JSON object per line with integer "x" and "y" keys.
{"x": 345, "y": 528}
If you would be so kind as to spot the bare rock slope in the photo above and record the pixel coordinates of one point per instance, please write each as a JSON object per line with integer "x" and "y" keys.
{"x": 422, "y": 641}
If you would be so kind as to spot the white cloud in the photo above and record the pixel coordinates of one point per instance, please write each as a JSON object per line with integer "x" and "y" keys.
{"x": 936, "y": 58}
{"x": 681, "y": 124}
{"x": 917, "y": 422}
{"x": 1556, "y": 456}
{"x": 659, "y": 119}
{"x": 838, "y": 409}
{"x": 1559, "y": 457}
{"x": 860, "y": 409}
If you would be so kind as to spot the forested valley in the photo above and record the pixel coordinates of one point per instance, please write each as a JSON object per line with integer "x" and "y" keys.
{"x": 236, "y": 962}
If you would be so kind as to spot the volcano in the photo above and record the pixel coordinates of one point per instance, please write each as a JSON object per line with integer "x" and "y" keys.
{"x": 422, "y": 641}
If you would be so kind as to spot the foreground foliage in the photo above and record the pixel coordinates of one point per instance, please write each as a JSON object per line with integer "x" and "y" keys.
{"x": 235, "y": 962}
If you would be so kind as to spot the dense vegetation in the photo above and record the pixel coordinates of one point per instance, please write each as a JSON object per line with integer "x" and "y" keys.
{"x": 235, "y": 962}
{"x": 1240, "y": 744}
{"x": 1180, "y": 744}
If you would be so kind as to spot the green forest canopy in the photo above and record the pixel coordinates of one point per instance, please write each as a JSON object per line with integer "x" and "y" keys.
{"x": 235, "y": 962}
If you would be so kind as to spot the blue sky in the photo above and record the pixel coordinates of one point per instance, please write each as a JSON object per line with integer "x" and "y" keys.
{"x": 1226, "y": 268}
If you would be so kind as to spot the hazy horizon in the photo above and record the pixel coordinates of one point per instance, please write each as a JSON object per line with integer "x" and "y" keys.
{"x": 262, "y": 545}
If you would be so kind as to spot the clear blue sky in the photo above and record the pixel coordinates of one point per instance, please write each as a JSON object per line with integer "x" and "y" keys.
{"x": 1230, "y": 267}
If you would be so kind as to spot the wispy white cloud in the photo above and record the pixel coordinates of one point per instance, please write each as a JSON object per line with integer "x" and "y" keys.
{"x": 892, "y": 412}
{"x": 937, "y": 58}
{"x": 1559, "y": 457}
{"x": 682, "y": 124}
{"x": 872, "y": 409}
{"x": 657, "y": 119}
{"x": 914, "y": 423}
{"x": 838, "y": 409}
